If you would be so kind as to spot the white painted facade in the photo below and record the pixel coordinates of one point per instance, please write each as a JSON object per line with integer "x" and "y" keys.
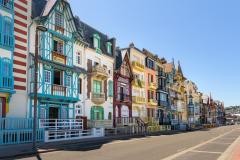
{"x": 107, "y": 61}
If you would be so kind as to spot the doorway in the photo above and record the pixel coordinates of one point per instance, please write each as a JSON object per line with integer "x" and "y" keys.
{"x": 58, "y": 80}
{"x": 53, "y": 113}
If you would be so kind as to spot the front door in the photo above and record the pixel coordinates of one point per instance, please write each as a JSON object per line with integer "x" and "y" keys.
{"x": 2, "y": 107}
{"x": 53, "y": 113}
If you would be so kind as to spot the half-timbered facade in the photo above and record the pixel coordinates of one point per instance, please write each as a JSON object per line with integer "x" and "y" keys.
{"x": 57, "y": 76}
{"x": 123, "y": 76}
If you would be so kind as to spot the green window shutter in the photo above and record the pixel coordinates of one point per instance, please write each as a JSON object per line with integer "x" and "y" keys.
{"x": 1, "y": 29}
{"x": 97, "y": 86}
{"x": 110, "y": 88}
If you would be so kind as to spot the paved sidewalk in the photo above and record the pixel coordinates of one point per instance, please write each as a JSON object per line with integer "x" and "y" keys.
{"x": 13, "y": 151}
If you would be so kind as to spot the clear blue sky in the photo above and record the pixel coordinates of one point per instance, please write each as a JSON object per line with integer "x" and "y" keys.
{"x": 203, "y": 34}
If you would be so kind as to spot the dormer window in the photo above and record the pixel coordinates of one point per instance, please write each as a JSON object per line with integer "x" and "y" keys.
{"x": 59, "y": 22}
{"x": 96, "y": 42}
{"x": 59, "y": 19}
{"x": 109, "y": 47}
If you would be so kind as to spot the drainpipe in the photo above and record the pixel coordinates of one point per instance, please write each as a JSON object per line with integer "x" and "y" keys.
{"x": 28, "y": 61}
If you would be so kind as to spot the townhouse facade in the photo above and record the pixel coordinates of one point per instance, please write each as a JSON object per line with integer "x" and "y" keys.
{"x": 150, "y": 85}
{"x": 194, "y": 102}
{"x": 99, "y": 81}
{"x": 137, "y": 59}
{"x": 84, "y": 79}
{"x": 123, "y": 77}
{"x": 14, "y": 22}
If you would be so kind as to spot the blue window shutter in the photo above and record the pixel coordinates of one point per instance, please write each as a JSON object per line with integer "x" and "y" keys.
{"x": 1, "y": 68}
{"x": 1, "y": 29}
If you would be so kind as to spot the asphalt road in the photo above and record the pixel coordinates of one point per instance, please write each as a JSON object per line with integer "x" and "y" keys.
{"x": 198, "y": 145}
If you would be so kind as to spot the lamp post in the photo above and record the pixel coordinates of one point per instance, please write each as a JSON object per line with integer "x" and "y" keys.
{"x": 42, "y": 29}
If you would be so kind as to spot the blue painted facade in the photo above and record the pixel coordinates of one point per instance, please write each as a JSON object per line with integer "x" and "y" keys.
{"x": 6, "y": 54}
{"x": 57, "y": 76}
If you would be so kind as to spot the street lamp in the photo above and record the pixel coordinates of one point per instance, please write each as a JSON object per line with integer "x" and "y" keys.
{"x": 42, "y": 29}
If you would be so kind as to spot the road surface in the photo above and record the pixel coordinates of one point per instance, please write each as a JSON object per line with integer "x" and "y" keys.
{"x": 199, "y": 145}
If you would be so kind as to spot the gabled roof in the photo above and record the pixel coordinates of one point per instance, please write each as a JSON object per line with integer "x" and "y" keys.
{"x": 179, "y": 68}
{"x": 120, "y": 57}
{"x": 88, "y": 32}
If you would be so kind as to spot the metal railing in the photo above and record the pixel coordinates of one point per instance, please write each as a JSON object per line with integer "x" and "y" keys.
{"x": 18, "y": 130}
{"x": 126, "y": 121}
{"x": 6, "y": 82}
{"x": 15, "y": 123}
{"x": 55, "y": 90}
{"x": 61, "y": 124}
{"x": 123, "y": 97}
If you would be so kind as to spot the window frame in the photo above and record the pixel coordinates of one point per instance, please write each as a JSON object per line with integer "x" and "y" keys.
{"x": 97, "y": 86}
{"x": 59, "y": 21}
{"x": 59, "y": 41}
{"x": 50, "y": 74}
{"x": 68, "y": 82}
{"x": 79, "y": 57}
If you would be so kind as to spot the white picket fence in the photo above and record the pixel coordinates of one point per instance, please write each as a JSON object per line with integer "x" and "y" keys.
{"x": 67, "y": 129}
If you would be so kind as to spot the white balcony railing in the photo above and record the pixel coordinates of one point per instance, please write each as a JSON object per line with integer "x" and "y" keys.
{"x": 61, "y": 124}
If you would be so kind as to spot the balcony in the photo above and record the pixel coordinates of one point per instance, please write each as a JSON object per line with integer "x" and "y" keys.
{"x": 162, "y": 88}
{"x": 7, "y": 4}
{"x": 99, "y": 72}
{"x": 6, "y": 82}
{"x": 138, "y": 100}
{"x": 98, "y": 98}
{"x": 138, "y": 66}
{"x": 152, "y": 86}
{"x": 163, "y": 103}
{"x": 152, "y": 102}
{"x": 138, "y": 83}
{"x": 162, "y": 74}
{"x": 55, "y": 91}
{"x": 59, "y": 57}
{"x": 123, "y": 98}
{"x": 100, "y": 123}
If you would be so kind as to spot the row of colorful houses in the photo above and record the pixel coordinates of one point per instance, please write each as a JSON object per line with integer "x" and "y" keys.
{"x": 83, "y": 75}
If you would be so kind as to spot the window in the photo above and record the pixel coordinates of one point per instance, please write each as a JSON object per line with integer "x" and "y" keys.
{"x": 110, "y": 88}
{"x": 78, "y": 110}
{"x": 163, "y": 97}
{"x": 96, "y": 41}
{"x": 7, "y": 32}
{"x": 150, "y": 63}
{"x": 59, "y": 19}
{"x": 109, "y": 47}
{"x": 80, "y": 86}
{"x": 47, "y": 76}
{"x": 97, "y": 86}
{"x": 58, "y": 46}
{"x": 58, "y": 80}
{"x": 78, "y": 58}
{"x": 1, "y": 106}
{"x": 68, "y": 81}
